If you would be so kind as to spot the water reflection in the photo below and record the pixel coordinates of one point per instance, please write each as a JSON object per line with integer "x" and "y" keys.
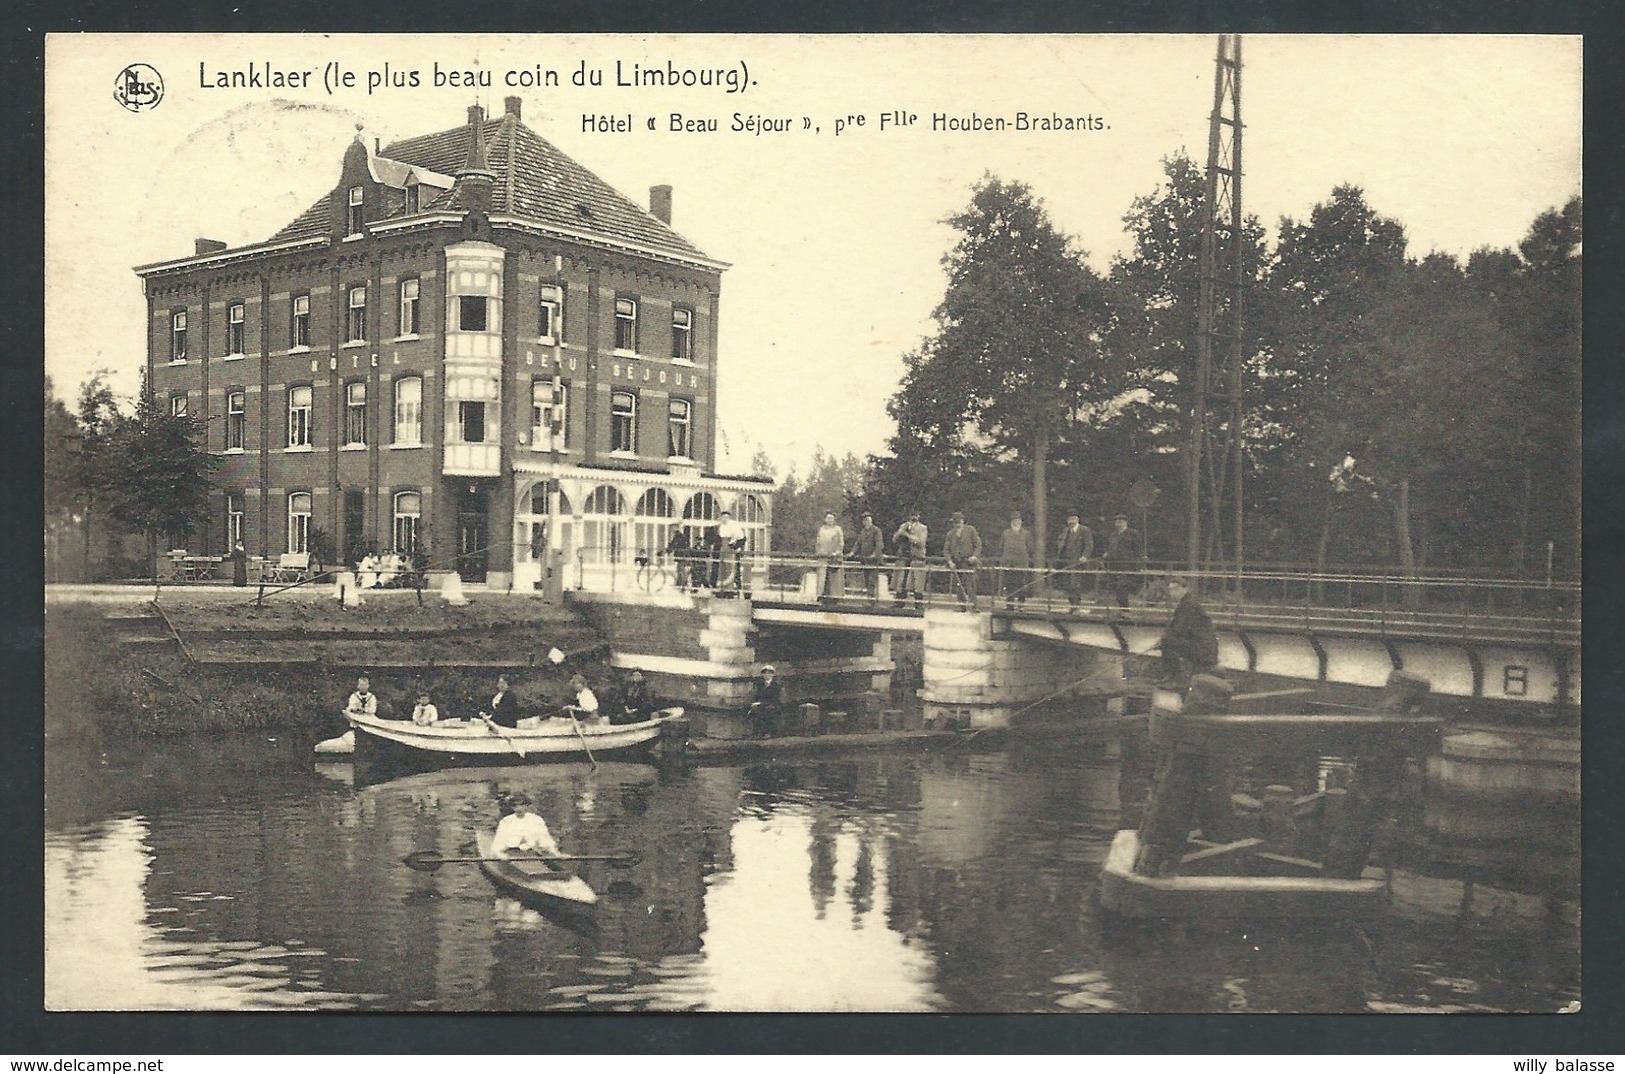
{"x": 941, "y": 882}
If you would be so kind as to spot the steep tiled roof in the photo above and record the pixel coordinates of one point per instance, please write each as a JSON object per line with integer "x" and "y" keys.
{"x": 534, "y": 180}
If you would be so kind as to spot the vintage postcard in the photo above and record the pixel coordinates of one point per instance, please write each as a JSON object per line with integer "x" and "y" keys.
{"x": 910, "y": 523}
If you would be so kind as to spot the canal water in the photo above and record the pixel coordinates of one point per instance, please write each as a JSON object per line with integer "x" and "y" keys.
{"x": 236, "y": 874}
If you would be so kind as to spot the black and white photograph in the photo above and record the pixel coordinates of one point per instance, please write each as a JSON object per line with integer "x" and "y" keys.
{"x": 914, "y": 523}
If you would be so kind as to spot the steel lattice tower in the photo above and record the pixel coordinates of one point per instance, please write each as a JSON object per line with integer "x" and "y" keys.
{"x": 1219, "y": 309}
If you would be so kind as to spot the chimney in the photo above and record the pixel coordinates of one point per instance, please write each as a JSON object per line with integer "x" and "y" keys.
{"x": 476, "y": 115}
{"x": 510, "y": 106}
{"x": 206, "y": 246}
{"x": 660, "y": 202}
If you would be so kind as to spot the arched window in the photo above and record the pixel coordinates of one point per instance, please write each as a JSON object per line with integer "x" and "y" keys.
{"x": 653, "y": 521}
{"x": 700, "y": 515}
{"x": 604, "y": 525}
{"x": 299, "y": 522}
{"x": 408, "y": 515}
{"x": 753, "y": 516}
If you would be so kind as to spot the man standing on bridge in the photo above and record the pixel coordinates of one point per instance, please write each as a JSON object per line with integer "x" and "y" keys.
{"x": 909, "y": 540}
{"x": 1122, "y": 558}
{"x": 962, "y": 549}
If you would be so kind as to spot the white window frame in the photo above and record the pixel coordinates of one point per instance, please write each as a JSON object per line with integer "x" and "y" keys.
{"x": 551, "y": 306}
{"x": 549, "y": 414}
{"x": 411, "y": 307}
{"x": 627, "y": 419}
{"x": 177, "y": 337}
{"x": 299, "y": 522}
{"x": 300, "y": 417}
{"x": 234, "y": 519}
{"x": 684, "y": 423}
{"x": 236, "y": 419}
{"x": 626, "y": 317}
{"x": 355, "y": 318}
{"x": 412, "y": 519}
{"x": 354, "y": 214}
{"x": 299, "y": 328}
{"x": 409, "y": 414}
{"x": 235, "y": 314}
{"x": 355, "y": 413}
{"x": 682, "y": 334}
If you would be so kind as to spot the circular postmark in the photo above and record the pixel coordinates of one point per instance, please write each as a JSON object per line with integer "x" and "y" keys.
{"x": 139, "y": 87}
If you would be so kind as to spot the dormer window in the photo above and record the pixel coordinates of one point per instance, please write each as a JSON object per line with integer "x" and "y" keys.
{"x": 352, "y": 216}
{"x": 412, "y": 197}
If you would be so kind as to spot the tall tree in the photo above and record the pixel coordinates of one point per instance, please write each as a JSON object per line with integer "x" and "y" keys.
{"x": 152, "y": 476}
{"x": 1018, "y": 347}
{"x": 830, "y": 484}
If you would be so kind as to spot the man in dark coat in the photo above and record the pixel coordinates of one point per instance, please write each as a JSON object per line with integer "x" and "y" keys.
{"x": 1189, "y": 645}
{"x": 504, "y": 705}
{"x": 636, "y": 705}
{"x": 1122, "y": 558}
{"x": 682, "y": 558}
{"x": 962, "y": 551}
{"x": 868, "y": 549}
{"x": 767, "y": 701}
{"x": 1072, "y": 551}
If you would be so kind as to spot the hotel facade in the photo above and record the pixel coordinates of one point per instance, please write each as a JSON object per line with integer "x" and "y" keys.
{"x": 469, "y": 345}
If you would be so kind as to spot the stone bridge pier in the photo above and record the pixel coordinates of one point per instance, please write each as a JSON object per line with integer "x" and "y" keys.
{"x": 977, "y": 679}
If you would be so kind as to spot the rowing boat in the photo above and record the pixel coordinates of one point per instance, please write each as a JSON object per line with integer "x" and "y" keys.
{"x": 1130, "y": 894}
{"x": 539, "y": 883}
{"x": 476, "y": 741}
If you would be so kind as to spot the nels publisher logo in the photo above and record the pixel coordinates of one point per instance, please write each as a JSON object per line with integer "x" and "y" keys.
{"x": 139, "y": 87}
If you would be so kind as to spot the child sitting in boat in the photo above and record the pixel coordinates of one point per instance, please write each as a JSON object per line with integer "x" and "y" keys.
{"x": 424, "y": 713}
{"x": 586, "y": 706}
{"x": 522, "y": 831}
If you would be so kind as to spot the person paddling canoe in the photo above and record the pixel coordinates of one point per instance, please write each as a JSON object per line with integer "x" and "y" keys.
{"x": 522, "y": 832}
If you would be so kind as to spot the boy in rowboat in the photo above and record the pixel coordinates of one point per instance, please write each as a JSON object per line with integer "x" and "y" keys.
{"x": 363, "y": 702}
{"x": 586, "y": 706}
{"x": 424, "y": 713}
{"x": 522, "y": 832}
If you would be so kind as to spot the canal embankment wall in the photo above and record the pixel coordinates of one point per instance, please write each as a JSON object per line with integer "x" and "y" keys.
{"x": 201, "y": 662}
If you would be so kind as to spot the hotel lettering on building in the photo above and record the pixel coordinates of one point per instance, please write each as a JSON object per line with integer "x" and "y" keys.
{"x": 470, "y": 344}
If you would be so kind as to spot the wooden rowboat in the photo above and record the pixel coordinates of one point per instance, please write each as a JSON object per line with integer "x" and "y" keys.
{"x": 1183, "y": 898}
{"x": 475, "y": 741}
{"x": 545, "y": 885}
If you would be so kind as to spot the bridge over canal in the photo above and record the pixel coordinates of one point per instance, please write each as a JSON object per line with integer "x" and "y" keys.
{"x": 1485, "y": 642}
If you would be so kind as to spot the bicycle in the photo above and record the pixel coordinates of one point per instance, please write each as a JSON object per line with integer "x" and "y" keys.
{"x": 653, "y": 574}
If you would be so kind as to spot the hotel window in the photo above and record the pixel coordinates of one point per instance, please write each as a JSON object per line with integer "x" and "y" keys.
{"x": 177, "y": 405}
{"x": 355, "y": 325}
{"x": 549, "y": 413}
{"x": 678, "y": 429}
{"x": 550, "y": 316}
{"x": 682, "y": 335}
{"x": 299, "y": 419}
{"x": 623, "y": 422}
{"x": 234, "y": 519}
{"x": 300, "y": 334}
{"x": 471, "y": 420}
{"x": 355, "y": 412}
{"x": 408, "y": 512}
{"x": 626, "y": 324}
{"x": 472, "y": 313}
{"x": 299, "y": 522}
{"x": 177, "y": 336}
{"x": 409, "y": 307}
{"x": 352, "y": 216}
{"x": 234, "y": 328}
{"x": 409, "y": 411}
{"x": 235, "y": 419}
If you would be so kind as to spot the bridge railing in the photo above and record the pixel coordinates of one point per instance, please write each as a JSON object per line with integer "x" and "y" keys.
{"x": 1287, "y": 596}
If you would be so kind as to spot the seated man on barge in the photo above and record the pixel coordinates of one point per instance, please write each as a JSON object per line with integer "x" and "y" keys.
{"x": 767, "y": 702}
{"x": 1189, "y": 645}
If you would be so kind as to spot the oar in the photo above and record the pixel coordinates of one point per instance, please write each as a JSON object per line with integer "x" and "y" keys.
{"x": 490, "y": 725}
{"x": 571, "y": 712}
{"x": 427, "y": 861}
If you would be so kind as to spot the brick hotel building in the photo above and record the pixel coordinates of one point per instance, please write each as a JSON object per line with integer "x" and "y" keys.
{"x": 470, "y": 341}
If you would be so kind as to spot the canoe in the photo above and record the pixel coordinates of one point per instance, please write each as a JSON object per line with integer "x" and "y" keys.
{"x": 475, "y": 741}
{"x": 1187, "y": 898}
{"x": 538, "y": 883}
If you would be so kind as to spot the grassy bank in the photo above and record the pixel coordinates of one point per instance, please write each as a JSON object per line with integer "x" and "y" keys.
{"x": 96, "y": 691}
